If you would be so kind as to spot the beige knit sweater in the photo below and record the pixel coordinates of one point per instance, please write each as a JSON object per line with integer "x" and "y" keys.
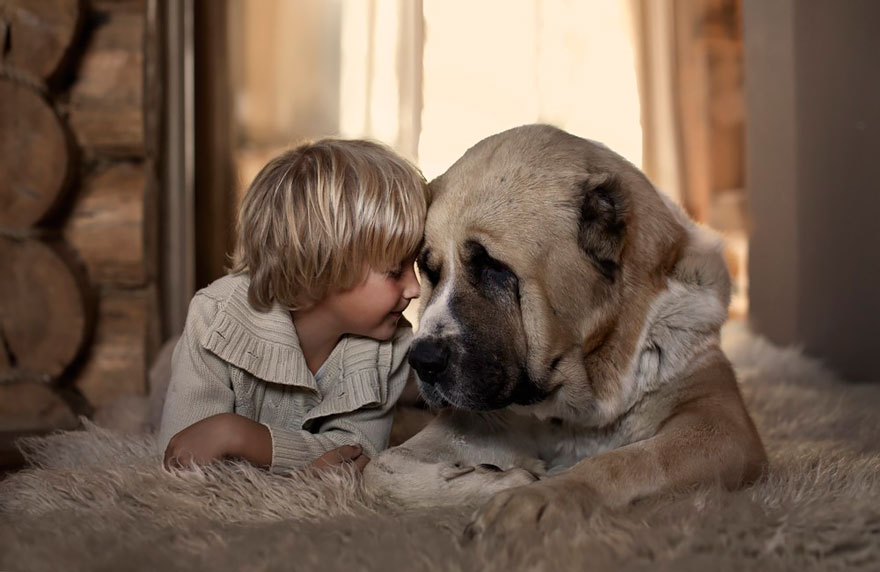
{"x": 232, "y": 357}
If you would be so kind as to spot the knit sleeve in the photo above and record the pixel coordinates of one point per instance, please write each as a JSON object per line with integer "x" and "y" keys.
{"x": 200, "y": 383}
{"x": 369, "y": 427}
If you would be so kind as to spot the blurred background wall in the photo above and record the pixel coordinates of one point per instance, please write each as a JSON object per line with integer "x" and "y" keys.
{"x": 814, "y": 179}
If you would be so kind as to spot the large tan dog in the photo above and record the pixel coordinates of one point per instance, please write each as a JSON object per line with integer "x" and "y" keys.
{"x": 570, "y": 330}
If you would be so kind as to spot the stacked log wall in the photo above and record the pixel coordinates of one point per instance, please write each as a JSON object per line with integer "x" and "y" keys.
{"x": 78, "y": 286}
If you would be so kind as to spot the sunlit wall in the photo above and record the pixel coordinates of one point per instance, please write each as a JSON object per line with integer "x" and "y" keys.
{"x": 495, "y": 64}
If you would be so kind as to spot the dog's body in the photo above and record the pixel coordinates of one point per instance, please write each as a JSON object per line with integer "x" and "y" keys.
{"x": 570, "y": 327}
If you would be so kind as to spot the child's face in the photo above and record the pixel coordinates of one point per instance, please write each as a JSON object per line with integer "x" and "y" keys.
{"x": 373, "y": 307}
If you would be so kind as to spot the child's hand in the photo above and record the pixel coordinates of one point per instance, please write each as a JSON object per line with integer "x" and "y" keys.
{"x": 219, "y": 436}
{"x": 345, "y": 456}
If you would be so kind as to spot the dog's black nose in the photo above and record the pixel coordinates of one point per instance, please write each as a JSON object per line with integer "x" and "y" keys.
{"x": 429, "y": 358}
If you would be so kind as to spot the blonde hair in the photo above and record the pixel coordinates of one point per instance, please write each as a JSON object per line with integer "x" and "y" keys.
{"x": 314, "y": 215}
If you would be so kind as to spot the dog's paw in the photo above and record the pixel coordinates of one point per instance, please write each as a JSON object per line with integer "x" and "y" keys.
{"x": 543, "y": 507}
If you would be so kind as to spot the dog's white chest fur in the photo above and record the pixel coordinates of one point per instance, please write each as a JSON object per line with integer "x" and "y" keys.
{"x": 564, "y": 444}
{"x": 567, "y": 444}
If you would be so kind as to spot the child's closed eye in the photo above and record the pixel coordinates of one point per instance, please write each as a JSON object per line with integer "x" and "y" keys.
{"x": 395, "y": 273}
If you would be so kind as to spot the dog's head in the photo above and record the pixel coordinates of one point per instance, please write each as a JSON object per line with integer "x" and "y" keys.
{"x": 542, "y": 254}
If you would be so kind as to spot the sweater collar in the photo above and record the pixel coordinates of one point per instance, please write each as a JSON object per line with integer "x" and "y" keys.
{"x": 265, "y": 344}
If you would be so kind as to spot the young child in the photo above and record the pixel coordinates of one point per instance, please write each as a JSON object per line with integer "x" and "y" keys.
{"x": 299, "y": 356}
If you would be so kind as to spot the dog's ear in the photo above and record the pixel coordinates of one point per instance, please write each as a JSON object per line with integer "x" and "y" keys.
{"x": 603, "y": 221}
{"x": 435, "y": 187}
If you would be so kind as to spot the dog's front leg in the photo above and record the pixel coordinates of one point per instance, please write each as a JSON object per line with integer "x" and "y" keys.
{"x": 455, "y": 460}
{"x": 702, "y": 444}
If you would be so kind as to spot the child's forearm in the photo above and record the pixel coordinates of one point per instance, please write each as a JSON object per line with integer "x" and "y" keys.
{"x": 221, "y": 436}
{"x": 249, "y": 440}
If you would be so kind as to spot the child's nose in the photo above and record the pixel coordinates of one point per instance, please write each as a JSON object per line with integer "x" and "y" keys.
{"x": 411, "y": 283}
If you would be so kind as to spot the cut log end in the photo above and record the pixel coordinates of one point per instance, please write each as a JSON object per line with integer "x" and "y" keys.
{"x": 39, "y": 35}
{"x": 44, "y": 314}
{"x": 35, "y": 157}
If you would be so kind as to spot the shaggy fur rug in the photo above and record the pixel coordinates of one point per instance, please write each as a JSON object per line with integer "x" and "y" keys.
{"x": 98, "y": 500}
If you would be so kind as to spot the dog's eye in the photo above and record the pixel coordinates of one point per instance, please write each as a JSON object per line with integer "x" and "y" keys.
{"x": 490, "y": 271}
{"x": 496, "y": 273}
{"x": 426, "y": 270}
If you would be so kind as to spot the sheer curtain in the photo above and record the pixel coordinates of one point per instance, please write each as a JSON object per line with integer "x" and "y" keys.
{"x": 654, "y": 48}
{"x": 303, "y": 69}
{"x": 380, "y": 92}
{"x": 432, "y": 77}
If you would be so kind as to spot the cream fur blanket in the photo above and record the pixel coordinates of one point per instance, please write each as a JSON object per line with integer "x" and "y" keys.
{"x": 98, "y": 500}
